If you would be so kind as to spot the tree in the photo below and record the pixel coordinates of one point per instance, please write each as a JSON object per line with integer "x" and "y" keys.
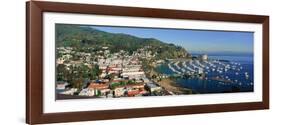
{"x": 123, "y": 83}
{"x": 78, "y": 83}
{"x": 130, "y": 82}
{"x": 109, "y": 76}
{"x": 80, "y": 37}
{"x": 61, "y": 71}
{"x": 95, "y": 72}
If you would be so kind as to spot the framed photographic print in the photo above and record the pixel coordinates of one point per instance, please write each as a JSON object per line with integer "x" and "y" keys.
{"x": 95, "y": 62}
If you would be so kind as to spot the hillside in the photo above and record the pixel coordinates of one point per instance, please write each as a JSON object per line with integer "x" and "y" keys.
{"x": 83, "y": 36}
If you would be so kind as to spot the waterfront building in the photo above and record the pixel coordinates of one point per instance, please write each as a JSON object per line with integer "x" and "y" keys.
{"x": 61, "y": 85}
{"x": 119, "y": 91}
{"x": 203, "y": 57}
{"x": 98, "y": 86}
{"x": 145, "y": 80}
{"x": 153, "y": 87}
{"x": 87, "y": 92}
{"x": 133, "y": 93}
{"x": 69, "y": 91}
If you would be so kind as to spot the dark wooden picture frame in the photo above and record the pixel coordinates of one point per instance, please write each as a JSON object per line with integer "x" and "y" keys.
{"x": 34, "y": 61}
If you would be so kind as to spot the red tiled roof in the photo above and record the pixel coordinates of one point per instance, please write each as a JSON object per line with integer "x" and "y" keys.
{"x": 115, "y": 81}
{"x": 133, "y": 92}
{"x": 98, "y": 86}
{"x": 135, "y": 85}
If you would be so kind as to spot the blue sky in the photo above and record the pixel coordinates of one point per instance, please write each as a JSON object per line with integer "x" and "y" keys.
{"x": 199, "y": 41}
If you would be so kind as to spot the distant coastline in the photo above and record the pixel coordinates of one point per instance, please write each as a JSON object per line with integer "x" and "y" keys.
{"x": 222, "y": 53}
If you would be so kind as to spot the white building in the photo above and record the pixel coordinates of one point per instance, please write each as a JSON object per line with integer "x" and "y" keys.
{"x": 203, "y": 57}
{"x": 119, "y": 91}
{"x": 70, "y": 91}
{"x": 133, "y": 75}
{"x": 153, "y": 87}
{"x": 62, "y": 85}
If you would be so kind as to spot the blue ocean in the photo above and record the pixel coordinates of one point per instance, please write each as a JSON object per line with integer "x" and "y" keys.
{"x": 222, "y": 74}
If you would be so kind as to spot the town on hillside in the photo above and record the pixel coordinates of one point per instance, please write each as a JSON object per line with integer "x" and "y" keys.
{"x": 99, "y": 73}
{"x": 92, "y": 63}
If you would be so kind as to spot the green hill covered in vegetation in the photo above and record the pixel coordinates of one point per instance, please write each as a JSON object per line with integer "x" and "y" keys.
{"x": 85, "y": 36}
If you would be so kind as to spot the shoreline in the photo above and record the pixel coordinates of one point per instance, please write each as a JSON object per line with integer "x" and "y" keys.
{"x": 171, "y": 86}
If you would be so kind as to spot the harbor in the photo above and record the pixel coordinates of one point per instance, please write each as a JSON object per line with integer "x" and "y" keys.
{"x": 210, "y": 75}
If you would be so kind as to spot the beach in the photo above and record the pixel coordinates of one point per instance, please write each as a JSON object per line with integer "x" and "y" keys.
{"x": 171, "y": 86}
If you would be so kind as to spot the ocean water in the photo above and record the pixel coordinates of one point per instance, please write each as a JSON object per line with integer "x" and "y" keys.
{"x": 241, "y": 76}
